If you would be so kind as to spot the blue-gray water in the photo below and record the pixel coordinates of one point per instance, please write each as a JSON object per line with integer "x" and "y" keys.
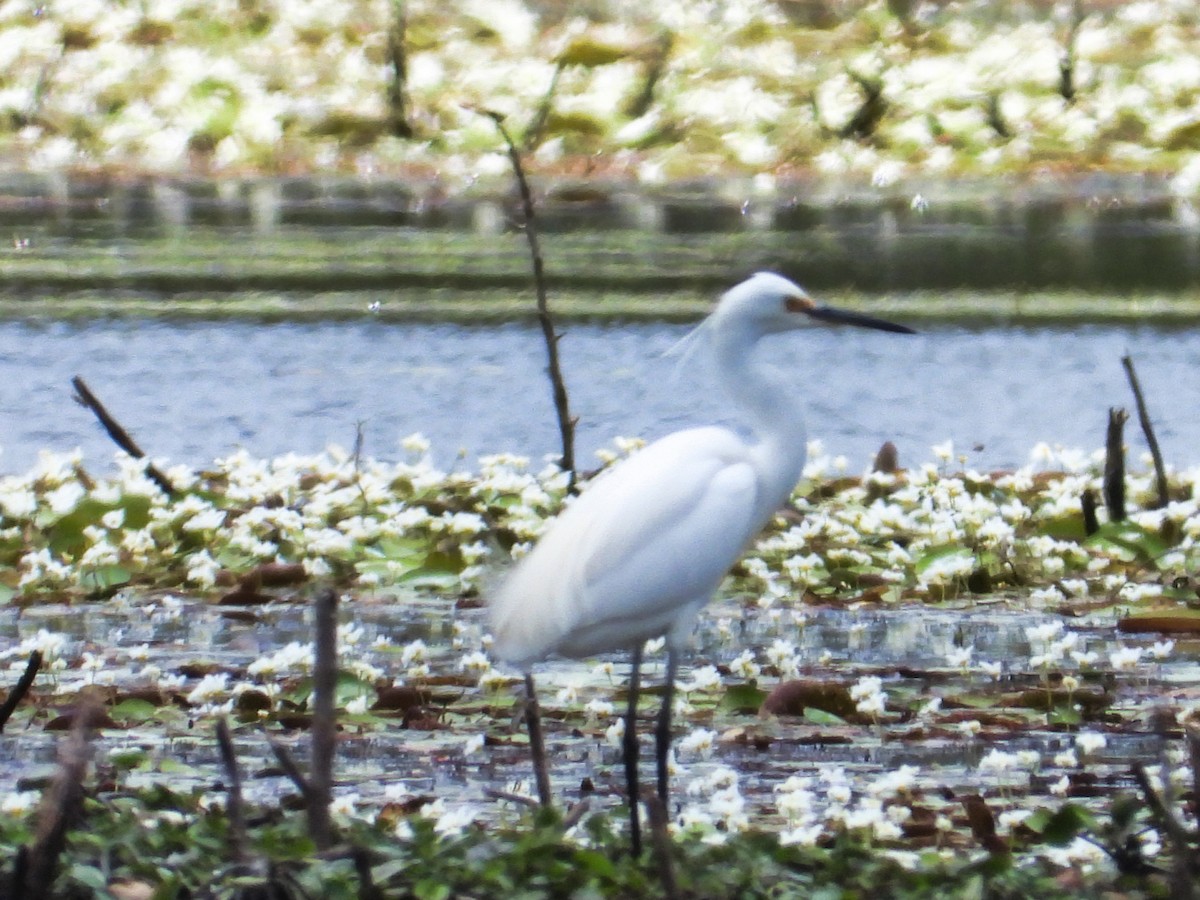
{"x": 193, "y": 392}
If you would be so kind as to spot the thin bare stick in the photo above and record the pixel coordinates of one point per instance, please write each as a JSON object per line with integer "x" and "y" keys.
{"x": 21, "y": 688}
{"x": 512, "y": 797}
{"x": 367, "y": 889}
{"x": 566, "y": 424}
{"x": 661, "y": 839}
{"x": 237, "y": 821}
{"x": 1160, "y": 475}
{"x": 1066, "y": 60}
{"x": 121, "y": 437}
{"x": 1087, "y": 503}
{"x": 62, "y": 804}
{"x": 290, "y": 769}
{"x": 1192, "y": 733}
{"x": 398, "y": 57}
{"x": 537, "y": 743}
{"x": 360, "y": 441}
{"x": 1114, "y": 465}
{"x": 324, "y": 724}
{"x": 575, "y": 814}
{"x": 1178, "y": 838}
{"x": 537, "y": 128}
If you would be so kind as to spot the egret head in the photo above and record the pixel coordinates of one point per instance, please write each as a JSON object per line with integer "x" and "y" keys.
{"x": 770, "y": 303}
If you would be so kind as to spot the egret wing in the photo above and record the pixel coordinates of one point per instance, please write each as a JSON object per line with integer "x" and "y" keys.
{"x": 654, "y": 536}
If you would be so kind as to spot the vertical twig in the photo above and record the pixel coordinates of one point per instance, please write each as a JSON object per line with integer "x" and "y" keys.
{"x": 21, "y": 688}
{"x": 237, "y": 821}
{"x": 324, "y": 726}
{"x": 661, "y": 839}
{"x": 537, "y": 743}
{"x": 367, "y": 889}
{"x": 1114, "y": 465}
{"x": 1087, "y": 503}
{"x": 290, "y": 769}
{"x": 566, "y": 424}
{"x": 317, "y": 789}
{"x": 1160, "y": 475}
{"x": 398, "y": 57}
{"x": 656, "y": 67}
{"x": 62, "y": 805}
{"x": 1191, "y": 732}
{"x": 537, "y": 127}
{"x": 360, "y": 440}
{"x": 1182, "y": 883}
{"x": 1066, "y": 62}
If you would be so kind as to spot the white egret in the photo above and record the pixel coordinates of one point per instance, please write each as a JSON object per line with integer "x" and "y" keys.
{"x": 639, "y": 553}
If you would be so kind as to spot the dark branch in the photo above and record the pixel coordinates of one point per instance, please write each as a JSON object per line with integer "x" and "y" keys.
{"x": 575, "y": 814}
{"x": 324, "y": 724}
{"x": 1178, "y": 837}
{"x": 235, "y": 815}
{"x": 1160, "y": 475}
{"x": 661, "y": 839}
{"x": 1087, "y": 502}
{"x": 1114, "y": 465}
{"x": 121, "y": 437}
{"x": 62, "y": 804}
{"x": 398, "y": 57}
{"x": 1066, "y": 61}
{"x": 284, "y": 757}
{"x": 512, "y": 797}
{"x": 537, "y": 128}
{"x": 21, "y": 688}
{"x": 566, "y": 424}
{"x": 533, "y": 718}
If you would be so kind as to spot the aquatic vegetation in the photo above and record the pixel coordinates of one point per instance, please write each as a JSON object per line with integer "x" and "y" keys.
{"x": 844, "y": 629}
{"x": 246, "y": 527}
{"x": 657, "y": 93}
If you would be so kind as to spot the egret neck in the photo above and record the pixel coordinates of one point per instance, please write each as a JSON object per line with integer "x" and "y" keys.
{"x": 771, "y": 407}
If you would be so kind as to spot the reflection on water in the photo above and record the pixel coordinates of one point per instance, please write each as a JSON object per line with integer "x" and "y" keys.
{"x": 194, "y": 392}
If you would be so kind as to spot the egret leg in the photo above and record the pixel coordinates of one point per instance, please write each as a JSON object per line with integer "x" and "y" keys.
{"x": 662, "y": 733}
{"x": 537, "y": 745}
{"x": 630, "y": 746}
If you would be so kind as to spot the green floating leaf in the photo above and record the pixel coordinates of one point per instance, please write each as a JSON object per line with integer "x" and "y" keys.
{"x": 104, "y": 577}
{"x": 821, "y": 717}
{"x": 350, "y": 687}
{"x": 1061, "y": 826}
{"x": 1129, "y": 540}
{"x": 1066, "y": 715}
{"x": 742, "y": 698}
{"x": 1064, "y": 528}
{"x": 65, "y": 533}
{"x": 133, "y": 711}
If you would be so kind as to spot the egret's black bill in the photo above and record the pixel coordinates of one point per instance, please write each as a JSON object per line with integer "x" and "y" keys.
{"x": 845, "y": 317}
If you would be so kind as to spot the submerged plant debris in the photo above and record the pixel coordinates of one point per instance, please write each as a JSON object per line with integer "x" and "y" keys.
{"x": 937, "y": 669}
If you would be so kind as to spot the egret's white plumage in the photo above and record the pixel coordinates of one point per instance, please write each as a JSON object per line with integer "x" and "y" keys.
{"x": 644, "y": 548}
{"x": 636, "y": 555}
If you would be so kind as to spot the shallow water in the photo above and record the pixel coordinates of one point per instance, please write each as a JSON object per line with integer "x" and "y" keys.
{"x": 432, "y": 762}
{"x": 195, "y": 392}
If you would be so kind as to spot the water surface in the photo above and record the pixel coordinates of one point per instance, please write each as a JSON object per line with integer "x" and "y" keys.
{"x": 194, "y": 392}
